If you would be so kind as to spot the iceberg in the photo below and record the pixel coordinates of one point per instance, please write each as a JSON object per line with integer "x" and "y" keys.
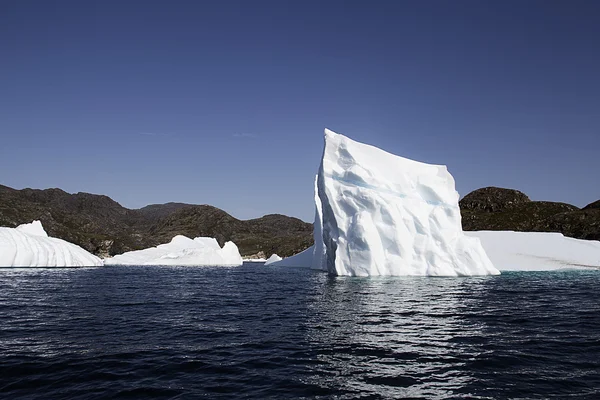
{"x": 381, "y": 214}
{"x": 304, "y": 259}
{"x": 538, "y": 251}
{"x": 29, "y": 245}
{"x": 274, "y": 258}
{"x": 182, "y": 251}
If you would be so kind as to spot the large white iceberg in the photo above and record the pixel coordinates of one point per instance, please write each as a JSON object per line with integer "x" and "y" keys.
{"x": 381, "y": 214}
{"x": 537, "y": 251}
{"x": 28, "y": 245}
{"x": 182, "y": 251}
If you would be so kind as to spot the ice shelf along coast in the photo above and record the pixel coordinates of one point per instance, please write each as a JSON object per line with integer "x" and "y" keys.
{"x": 538, "y": 251}
{"x": 29, "y": 245}
{"x": 381, "y": 214}
{"x": 182, "y": 251}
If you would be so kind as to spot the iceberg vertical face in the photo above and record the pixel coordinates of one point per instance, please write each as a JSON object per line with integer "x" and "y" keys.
{"x": 231, "y": 254}
{"x": 319, "y": 256}
{"x": 28, "y": 245}
{"x": 380, "y": 214}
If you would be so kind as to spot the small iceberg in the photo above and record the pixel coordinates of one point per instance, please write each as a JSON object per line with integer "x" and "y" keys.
{"x": 29, "y": 245}
{"x": 182, "y": 251}
{"x": 273, "y": 259}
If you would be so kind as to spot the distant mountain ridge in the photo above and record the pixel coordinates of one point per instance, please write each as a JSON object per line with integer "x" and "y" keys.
{"x": 104, "y": 227}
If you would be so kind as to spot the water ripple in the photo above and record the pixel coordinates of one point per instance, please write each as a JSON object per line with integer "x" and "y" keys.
{"x": 260, "y": 332}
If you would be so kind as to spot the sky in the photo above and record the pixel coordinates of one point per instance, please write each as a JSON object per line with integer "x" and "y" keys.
{"x": 225, "y": 102}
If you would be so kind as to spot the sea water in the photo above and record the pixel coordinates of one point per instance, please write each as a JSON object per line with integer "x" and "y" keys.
{"x": 257, "y": 332}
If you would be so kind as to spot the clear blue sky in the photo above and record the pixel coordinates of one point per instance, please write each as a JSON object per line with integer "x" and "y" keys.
{"x": 224, "y": 102}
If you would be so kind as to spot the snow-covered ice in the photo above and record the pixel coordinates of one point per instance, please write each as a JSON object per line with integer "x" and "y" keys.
{"x": 34, "y": 228}
{"x": 381, "y": 214}
{"x": 537, "y": 251}
{"x": 514, "y": 251}
{"x": 303, "y": 259}
{"x": 274, "y": 258}
{"x": 28, "y": 245}
{"x": 182, "y": 251}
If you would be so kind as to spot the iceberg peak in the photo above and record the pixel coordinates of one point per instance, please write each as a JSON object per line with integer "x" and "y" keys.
{"x": 273, "y": 259}
{"x": 34, "y": 228}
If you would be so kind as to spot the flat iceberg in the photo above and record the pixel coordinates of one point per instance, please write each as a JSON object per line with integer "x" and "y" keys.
{"x": 28, "y": 245}
{"x": 381, "y": 214}
{"x": 182, "y": 251}
{"x": 537, "y": 251}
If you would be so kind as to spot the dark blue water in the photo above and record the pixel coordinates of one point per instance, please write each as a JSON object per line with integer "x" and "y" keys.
{"x": 260, "y": 332}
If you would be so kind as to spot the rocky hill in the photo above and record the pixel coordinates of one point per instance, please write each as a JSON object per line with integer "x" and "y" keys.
{"x": 496, "y": 209}
{"x": 592, "y": 206}
{"x": 269, "y": 234}
{"x": 96, "y": 223}
{"x": 104, "y": 227}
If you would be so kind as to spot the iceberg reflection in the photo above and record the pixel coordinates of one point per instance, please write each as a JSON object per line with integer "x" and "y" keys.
{"x": 394, "y": 337}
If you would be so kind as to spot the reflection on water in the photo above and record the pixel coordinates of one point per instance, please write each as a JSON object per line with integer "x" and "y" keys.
{"x": 393, "y": 336}
{"x": 259, "y": 332}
